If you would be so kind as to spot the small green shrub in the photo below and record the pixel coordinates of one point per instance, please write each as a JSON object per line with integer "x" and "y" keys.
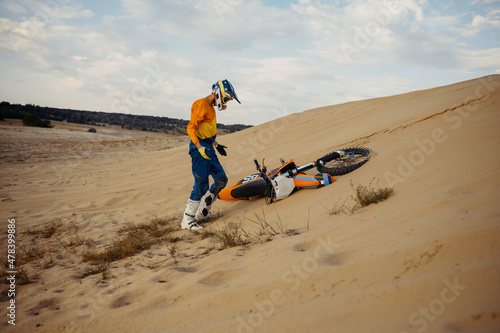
{"x": 363, "y": 196}
{"x": 367, "y": 195}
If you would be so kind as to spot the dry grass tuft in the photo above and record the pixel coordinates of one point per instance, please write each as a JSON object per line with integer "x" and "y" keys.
{"x": 132, "y": 239}
{"x": 231, "y": 237}
{"x": 363, "y": 196}
{"x": 367, "y": 195}
{"x": 45, "y": 232}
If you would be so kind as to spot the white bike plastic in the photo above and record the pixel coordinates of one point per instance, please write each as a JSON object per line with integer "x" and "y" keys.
{"x": 283, "y": 186}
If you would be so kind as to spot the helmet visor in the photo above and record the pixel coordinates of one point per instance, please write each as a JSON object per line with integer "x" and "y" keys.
{"x": 224, "y": 92}
{"x": 226, "y": 95}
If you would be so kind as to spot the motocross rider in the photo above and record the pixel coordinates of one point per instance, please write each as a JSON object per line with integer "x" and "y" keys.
{"x": 202, "y": 130}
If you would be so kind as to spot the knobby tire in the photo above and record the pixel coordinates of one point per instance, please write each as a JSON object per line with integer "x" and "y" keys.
{"x": 335, "y": 165}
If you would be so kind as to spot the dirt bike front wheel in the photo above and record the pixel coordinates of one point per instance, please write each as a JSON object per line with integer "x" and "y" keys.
{"x": 336, "y": 165}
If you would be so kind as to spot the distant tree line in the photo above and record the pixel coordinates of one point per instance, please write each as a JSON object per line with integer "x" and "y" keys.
{"x": 34, "y": 120}
{"x": 36, "y": 115}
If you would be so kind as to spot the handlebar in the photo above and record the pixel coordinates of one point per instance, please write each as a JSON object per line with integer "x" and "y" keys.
{"x": 262, "y": 172}
{"x": 257, "y": 164}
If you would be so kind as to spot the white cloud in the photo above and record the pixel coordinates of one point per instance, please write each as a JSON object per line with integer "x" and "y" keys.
{"x": 473, "y": 60}
{"x": 491, "y": 21}
{"x": 284, "y": 69}
{"x": 47, "y": 11}
{"x": 360, "y": 31}
{"x": 225, "y": 26}
{"x": 13, "y": 6}
{"x": 285, "y": 59}
{"x": 479, "y": 24}
{"x": 399, "y": 32}
{"x": 484, "y": 2}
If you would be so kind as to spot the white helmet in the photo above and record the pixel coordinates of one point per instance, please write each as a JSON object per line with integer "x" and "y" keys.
{"x": 223, "y": 92}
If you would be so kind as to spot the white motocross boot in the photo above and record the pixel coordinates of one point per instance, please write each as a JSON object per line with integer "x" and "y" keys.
{"x": 206, "y": 202}
{"x": 188, "y": 220}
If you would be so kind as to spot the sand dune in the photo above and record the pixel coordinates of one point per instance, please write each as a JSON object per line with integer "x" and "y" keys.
{"x": 425, "y": 260}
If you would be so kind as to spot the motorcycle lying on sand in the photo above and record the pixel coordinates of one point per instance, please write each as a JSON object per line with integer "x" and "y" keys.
{"x": 279, "y": 183}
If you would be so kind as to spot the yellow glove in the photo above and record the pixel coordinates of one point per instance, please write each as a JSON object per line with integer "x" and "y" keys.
{"x": 203, "y": 153}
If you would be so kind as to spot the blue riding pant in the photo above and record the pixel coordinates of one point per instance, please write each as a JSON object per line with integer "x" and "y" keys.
{"x": 202, "y": 168}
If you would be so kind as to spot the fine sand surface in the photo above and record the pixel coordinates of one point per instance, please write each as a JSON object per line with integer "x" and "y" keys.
{"x": 427, "y": 259}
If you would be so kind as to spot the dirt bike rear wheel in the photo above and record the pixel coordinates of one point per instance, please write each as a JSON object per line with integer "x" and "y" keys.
{"x": 335, "y": 165}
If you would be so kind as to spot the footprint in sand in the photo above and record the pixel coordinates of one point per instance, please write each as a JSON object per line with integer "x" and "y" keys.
{"x": 49, "y": 303}
{"x": 334, "y": 259}
{"x": 301, "y": 247}
{"x": 123, "y": 300}
{"x": 120, "y": 302}
{"x": 184, "y": 269}
{"x": 217, "y": 278}
{"x": 324, "y": 256}
{"x": 161, "y": 278}
{"x": 114, "y": 201}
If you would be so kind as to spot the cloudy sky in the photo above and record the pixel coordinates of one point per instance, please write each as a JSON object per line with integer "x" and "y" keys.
{"x": 157, "y": 57}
